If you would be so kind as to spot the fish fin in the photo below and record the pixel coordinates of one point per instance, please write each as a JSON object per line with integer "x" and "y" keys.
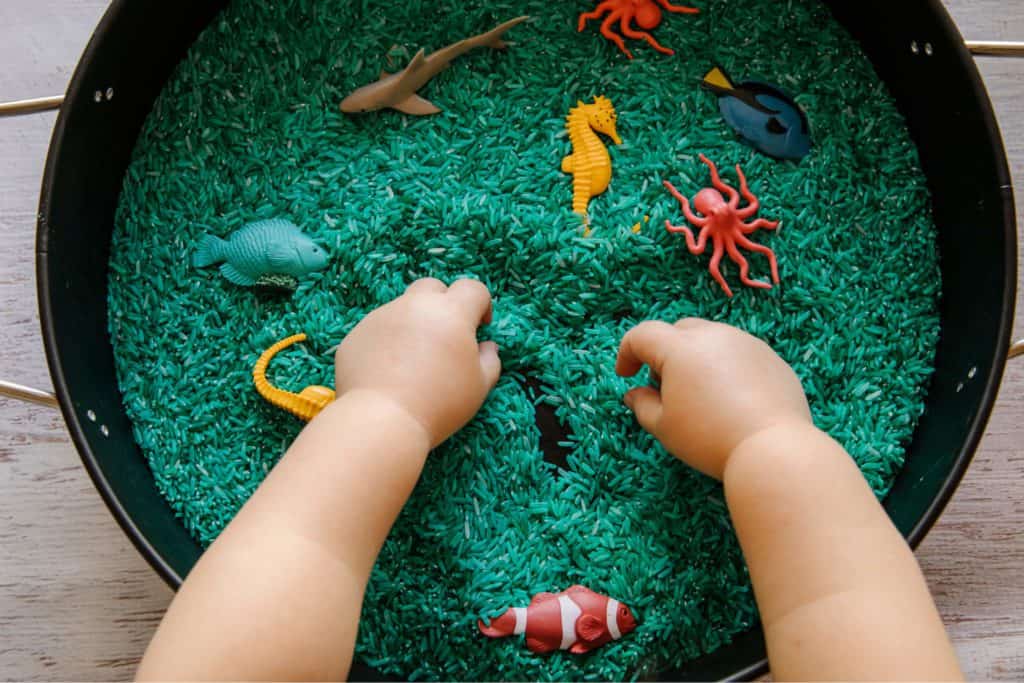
{"x": 539, "y": 646}
{"x": 416, "y": 105}
{"x": 577, "y": 588}
{"x": 589, "y": 627}
{"x": 211, "y": 250}
{"x": 746, "y": 98}
{"x": 541, "y": 597}
{"x": 384, "y": 73}
{"x": 279, "y": 256}
{"x": 416, "y": 62}
{"x": 579, "y": 649}
{"x": 236, "y": 276}
{"x": 500, "y": 627}
{"x": 717, "y": 81}
{"x": 771, "y": 104}
{"x": 775, "y": 127}
{"x": 277, "y": 284}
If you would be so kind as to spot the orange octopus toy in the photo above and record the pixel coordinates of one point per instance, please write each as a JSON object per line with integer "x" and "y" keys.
{"x": 647, "y": 15}
{"x": 724, "y": 223}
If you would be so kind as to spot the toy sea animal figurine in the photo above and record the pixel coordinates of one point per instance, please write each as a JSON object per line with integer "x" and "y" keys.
{"x": 304, "y": 405}
{"x": 766, "y": 118}
{"x": 647, "y": 15}
{"x": 398, "y": 91}
{"x": 577, "y": 619}
{"x": 589, "y": 163}
{"x": 723, "y": 222}
{"x": 273, "y": 247}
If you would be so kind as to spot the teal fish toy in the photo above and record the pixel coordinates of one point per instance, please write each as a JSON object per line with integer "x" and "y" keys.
{"x": 263, "y": 251}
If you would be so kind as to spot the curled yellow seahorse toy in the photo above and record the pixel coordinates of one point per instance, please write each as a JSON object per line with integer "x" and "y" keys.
{"x": 304, "y": 405}
{"x": 589, "y": 163}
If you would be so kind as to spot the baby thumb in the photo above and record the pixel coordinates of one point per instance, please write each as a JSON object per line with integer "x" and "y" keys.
{"x": 490, "y": 363}
{"x": 645, "y": 402}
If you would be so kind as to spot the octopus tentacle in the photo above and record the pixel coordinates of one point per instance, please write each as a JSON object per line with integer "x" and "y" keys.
{"x": 643, "y": 35}
{"x": 716, "y": 257}
{"x": 753, "y": 246}
{"x": 685, "y": 203}
{"x": 738, "y": 258}
{"x": 606, "y": 6}
{"x": 747, "y": 228}
{"x": 716, "y": 180}
{"x": 691, "y": 243}
{"x": 753, "y": 204}
{"x": 695, "y": 246}
{"x": 607, "y": 32}
{"x": 678, "y": 9}
{"x": 702, "y": 241}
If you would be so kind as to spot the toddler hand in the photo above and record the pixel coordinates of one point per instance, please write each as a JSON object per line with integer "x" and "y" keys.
{"x": 719, "y": 386}
{"x": 420, "y": 351}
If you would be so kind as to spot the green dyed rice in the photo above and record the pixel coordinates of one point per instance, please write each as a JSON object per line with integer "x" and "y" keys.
{"x": 248, "y": 128}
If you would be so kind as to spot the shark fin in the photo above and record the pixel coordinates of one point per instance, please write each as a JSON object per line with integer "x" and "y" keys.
{"x": 417, "y": 61}
{"x": 416, "y": 105}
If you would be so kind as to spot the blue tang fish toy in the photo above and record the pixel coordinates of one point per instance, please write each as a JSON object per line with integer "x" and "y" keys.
{"x": 765, "y": 117}
{"x": 262, "y": 250}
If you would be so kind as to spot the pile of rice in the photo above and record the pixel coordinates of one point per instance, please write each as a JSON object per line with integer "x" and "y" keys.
{"x": 248, "y": 127}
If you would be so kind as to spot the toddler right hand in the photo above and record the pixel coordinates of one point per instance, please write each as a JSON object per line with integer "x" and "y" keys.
{"x": 719, "y": 387}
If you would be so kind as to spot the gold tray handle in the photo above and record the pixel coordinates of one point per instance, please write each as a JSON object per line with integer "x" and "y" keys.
{"x": 28, "y": 394}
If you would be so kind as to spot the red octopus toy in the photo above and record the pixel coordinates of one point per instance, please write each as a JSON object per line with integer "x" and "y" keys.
{"x": 647, "y": 15}
{"x": 723, "y": 222}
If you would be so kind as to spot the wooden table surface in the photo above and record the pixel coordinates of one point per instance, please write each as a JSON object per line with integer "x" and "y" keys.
{"x": 77, "y": 602}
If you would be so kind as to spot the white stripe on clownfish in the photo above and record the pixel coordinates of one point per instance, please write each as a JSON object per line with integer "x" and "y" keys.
{"x": 611, "y": 616}
{"x": 520, "y": 613}
{"x": 570, "y": 613}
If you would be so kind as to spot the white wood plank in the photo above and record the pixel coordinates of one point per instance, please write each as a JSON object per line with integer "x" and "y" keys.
{"x": 78, "y": 603}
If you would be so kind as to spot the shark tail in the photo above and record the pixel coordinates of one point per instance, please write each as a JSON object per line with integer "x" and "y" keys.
{"x": 493, "y": 38}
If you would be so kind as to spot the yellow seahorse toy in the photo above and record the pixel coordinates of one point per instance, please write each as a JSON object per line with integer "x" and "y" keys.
{"x": 304, "y": 405}
{"x": 589, "y": 163}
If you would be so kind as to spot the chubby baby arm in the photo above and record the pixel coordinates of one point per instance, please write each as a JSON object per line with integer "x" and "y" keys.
{"x": 278, "y": 594}
{"x": 839, "y": 591}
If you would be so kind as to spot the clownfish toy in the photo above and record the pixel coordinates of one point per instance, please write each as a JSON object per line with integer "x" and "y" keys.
{"x": 577, "y": 619}
{"x": 765, "y": 117}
